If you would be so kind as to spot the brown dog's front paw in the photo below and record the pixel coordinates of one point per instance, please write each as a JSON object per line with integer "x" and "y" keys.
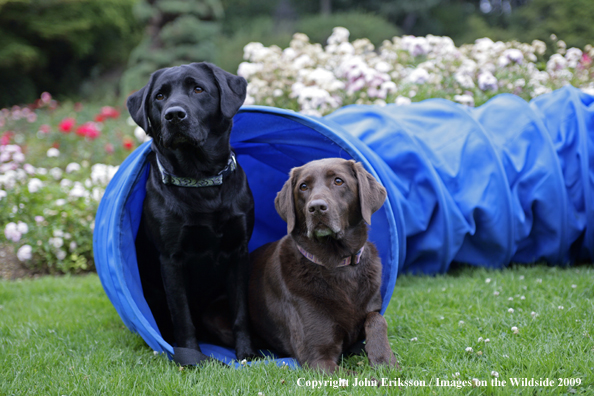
{"x": 382, "y": 357}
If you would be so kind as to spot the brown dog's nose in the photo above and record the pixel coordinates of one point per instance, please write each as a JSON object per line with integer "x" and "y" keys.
{"x": 317, "y": 205}
{"x": 175, "y": 114}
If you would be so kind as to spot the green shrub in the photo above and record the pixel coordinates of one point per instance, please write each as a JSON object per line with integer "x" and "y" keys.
{"x": 53, "y": 46}
{"x": 361, "y": 25}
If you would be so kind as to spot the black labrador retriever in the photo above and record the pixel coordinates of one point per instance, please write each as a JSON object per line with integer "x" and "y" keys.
{"x": 198, "y": 214}
{"x": 315, "y": 293}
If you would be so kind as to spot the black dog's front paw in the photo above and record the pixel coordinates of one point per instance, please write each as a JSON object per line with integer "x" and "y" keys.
{"x": 191, "y": 357}
{"x": 246, "y": 353}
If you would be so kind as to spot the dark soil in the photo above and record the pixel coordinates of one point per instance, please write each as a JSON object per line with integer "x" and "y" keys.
{"x": 11, "y": 268}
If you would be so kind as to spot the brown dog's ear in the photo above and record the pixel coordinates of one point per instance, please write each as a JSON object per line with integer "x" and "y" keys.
{"x": 285, "y": 202}
{"x": 233, "y": 89}
{"x": 371, "y": 194}
{"x": 138, "y": 104}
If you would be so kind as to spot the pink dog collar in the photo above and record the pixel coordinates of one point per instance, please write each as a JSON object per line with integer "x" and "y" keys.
{"x": 346, "y": 261}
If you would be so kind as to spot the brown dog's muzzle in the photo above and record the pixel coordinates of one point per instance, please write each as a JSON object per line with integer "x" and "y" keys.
{"x": 322, "y": 219}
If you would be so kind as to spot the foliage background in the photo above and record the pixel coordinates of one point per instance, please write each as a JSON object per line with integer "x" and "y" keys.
{"x": 79, "y": 49}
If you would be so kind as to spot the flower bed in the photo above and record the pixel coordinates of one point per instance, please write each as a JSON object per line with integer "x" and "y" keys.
{"x": 315, "y": 80}
{"x": 56, "y": 159}
{"x": 55, "y": 162}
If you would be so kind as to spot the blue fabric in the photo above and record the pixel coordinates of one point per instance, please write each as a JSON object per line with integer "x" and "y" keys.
{"x": 509, "y": 181}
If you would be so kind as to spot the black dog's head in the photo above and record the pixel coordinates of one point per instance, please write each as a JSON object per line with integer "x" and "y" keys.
{"x": 184, "y": 106}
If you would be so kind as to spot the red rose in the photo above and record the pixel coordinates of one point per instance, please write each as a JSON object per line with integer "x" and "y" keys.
{"x": 66, "y": 125}
{"x": 128, "y": 143}
{"x": 89, "y": 130}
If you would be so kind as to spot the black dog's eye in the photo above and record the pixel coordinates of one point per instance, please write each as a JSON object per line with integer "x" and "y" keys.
{"x": 159, "y": 96}
{"x": 198, "y": 90}
{"x": 338, "y": 181}
{"x": 303, "y": 187}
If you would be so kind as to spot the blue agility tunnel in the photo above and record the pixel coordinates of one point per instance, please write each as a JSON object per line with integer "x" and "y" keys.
{"x": 509, "y": 181}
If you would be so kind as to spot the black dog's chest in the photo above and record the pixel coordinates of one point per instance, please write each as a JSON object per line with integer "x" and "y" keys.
{"x": 210, "y": 236}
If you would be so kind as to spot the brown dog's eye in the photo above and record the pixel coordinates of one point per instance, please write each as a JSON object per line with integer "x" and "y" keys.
{"x": 198, "y": 90}
{"x": 338, "y": 181}
{"x": 160, "y": 96}
{"x": 303, "y": 187}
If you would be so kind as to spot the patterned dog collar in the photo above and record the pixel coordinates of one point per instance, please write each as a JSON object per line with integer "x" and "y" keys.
{"x": 346, "y": 261}
{"x": 217, "y": 180}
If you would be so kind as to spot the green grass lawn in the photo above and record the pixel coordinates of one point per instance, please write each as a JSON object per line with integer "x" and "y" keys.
{"x": 62, "y": 336}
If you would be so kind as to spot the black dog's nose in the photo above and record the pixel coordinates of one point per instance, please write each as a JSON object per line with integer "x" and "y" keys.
{"x": 317, "y": 205}
{"x": 175, "y": 114}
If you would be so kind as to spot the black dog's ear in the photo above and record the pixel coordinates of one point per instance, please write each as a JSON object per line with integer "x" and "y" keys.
{"x": 371, "y": 194}
{"x": 138, "y": 104}
{"x": 232, "y": 89}
{"x": 285, "y": 202}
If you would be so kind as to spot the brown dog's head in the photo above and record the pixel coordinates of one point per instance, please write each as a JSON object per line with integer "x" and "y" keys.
{"x": 185, "y": 105}
{"x": 324, "y": 198}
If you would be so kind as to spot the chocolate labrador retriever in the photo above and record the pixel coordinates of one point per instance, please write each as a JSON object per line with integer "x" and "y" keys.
{"x": 198, "y": 214}
{"x": 316, "y": 292}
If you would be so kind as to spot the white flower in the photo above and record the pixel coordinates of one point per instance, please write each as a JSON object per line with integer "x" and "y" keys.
{"x": 66, "y": 183}
{"x": 573, "y": 57}
{"x": 30, "y": 169}
{"x": 53, "y": 152}
{"x": 12, "y": 233}
{"x": 78, "y": 191}
{"x": 72, "y": 245}
{"x": 61, "y": 254}
{"x": 487, "y": 340}
{"x": 464, "y": 80}
{"x": 402, "y": 100}
{"x": 60, "y": 202}
{"x": 560, "y": 307}
{"x": 533, "y": 314}
{"x": 469, "y": 349}
{"x": 72, "y": 167}
{"x": 58, "y": 233}
{"x": 495, "y": 293}
{"x": 3, "y": 194}
{"x": 102, "y": 174}
{"x": 39, "y": 219}
{"x": 34, "y": 185}
{"x": 465, "y": 100}
{"x": 495, "y": 374}
{"x": 480, "y": 339}
{"x": 141, "y": 135}
{"x": 56, "y": 173}
{"x": 515, "y": 330}
{"x": 487, "y": 81}
{"x": 488, "y": 280}
{"x": 24, "y": 253}
{"x": 556, "y": 62}
{"x": 18, "y": 157}
{"x": 56, "y": 242}
{"x": 511, "y": 310}
{"x": 419, "y": 76}
{"x": 414, "y": 339}
{"x": 416, "y": 46}
{"x": 23, "y": 228}
{"x": 572, "y": 286}
{"x": 339, "y": 35}
{"x": 461, "y": 323}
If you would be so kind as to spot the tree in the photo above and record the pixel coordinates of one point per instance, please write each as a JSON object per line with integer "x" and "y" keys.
{"x": 177, "y": 32}
{"x": 54, "y": 45}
